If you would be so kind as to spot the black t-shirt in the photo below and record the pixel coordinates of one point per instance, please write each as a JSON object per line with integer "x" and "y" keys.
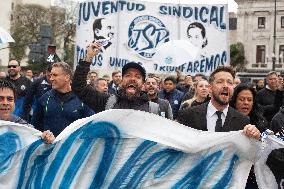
{"x": 22, "y": 84}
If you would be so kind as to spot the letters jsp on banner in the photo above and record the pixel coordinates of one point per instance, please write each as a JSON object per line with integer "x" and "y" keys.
{"x": 135, "y": 29}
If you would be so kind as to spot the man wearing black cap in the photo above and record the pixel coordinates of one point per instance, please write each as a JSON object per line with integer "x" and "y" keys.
{"x": 129, "y": 95}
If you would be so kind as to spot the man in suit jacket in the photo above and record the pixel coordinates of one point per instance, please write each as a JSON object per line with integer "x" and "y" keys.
{"x": 205, "y": 116}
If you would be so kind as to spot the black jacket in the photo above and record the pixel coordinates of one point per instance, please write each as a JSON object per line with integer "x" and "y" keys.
{"x": 277, "y": 124}
{"x": 96, "y": 100}
{"x": 39, "y": 87}
{"x": 22, "y": 84}
{"x": 195, "y": 117}
{"x": 270, "y": 102}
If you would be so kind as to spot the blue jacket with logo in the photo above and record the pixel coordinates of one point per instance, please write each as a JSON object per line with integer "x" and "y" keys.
{"x": 54, "y": 115}
{"x": 174, "y": 98}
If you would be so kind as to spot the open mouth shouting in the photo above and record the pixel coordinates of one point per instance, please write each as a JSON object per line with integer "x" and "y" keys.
{"x": 131, "y": 89}
{"x": 225, "y": 94}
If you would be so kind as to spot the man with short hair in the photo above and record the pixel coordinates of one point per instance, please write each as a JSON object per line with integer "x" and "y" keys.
{"x": 8, "y": 96}
{"x": 259, "y": 85}
{"x": 101, "y": 85}
{"x": 266, "y": 96}
{"x": 7, "y": 102}
{"x": 113, "y": 86}
{"x": 107, "y": 78}
{"x": 21, "y": 82}
{"x": 129, "y": 95}
{"x": 171, "y": 94}
{"x": 59, "y": 107}
{"x": 151, "y": 87}
{"x": 92, "y": 77}
{"x": 217, "y": 115}
{"x": 29, "y": 74}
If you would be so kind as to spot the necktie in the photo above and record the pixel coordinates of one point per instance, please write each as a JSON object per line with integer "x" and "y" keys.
{"x": 218, "y": 126}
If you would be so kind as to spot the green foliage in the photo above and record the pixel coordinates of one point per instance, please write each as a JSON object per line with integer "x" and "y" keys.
{"x": 25, "y": 27}
{"x": 26, "y": 30}
{"x": 237, "y": 55}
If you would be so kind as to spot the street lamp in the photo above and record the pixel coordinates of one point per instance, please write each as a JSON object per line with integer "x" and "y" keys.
{"x": 274, "y": 38}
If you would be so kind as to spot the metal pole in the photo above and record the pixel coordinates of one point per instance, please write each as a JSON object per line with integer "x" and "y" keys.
{"x": 274, "y": 38}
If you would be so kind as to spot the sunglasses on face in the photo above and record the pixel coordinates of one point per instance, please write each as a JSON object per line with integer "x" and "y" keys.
{"x": 12, "y": 66}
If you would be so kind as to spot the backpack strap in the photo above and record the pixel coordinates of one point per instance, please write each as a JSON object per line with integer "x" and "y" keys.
{"x": 111, "y": 101}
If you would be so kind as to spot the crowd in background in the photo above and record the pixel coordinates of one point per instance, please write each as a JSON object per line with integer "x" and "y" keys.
{"x": 55, "y": 99}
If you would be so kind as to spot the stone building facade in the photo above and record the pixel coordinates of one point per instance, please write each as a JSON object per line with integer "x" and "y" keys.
{"x": 255, "y": 29}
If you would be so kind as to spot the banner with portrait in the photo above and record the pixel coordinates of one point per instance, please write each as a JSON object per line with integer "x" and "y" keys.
{"x": 133, "y": 30}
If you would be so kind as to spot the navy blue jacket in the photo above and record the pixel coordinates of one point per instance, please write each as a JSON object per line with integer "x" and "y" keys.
{"x": 54, "y": 115}
{"x": 174, "y": 98}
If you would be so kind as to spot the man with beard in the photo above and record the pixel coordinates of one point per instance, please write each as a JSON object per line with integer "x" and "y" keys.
{"x": 216, "y": 115}
{"x": 151, "y": 87}
{"x": 129, "y": 95}
{"x": 21, "y": 82}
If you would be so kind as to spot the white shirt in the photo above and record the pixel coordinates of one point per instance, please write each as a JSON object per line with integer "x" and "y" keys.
{"x": 212, "y": 117}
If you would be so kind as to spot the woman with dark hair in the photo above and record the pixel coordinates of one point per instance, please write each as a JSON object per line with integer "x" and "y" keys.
{"x": 244, "y": 100}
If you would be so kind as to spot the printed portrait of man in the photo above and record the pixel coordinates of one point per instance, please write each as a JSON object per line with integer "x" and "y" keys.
{"x": 102, "y": 30}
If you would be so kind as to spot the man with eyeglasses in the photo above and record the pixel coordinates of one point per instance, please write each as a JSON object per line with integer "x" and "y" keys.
{"x": 21, "y": 82}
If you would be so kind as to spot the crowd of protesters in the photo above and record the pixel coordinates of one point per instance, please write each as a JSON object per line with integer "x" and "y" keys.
{"x": 219, "y": 103}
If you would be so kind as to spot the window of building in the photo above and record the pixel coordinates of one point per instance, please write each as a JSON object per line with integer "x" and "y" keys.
{"x": 281, "y": 54}
{"x": 261, "y": 22}
{"x": 12, "y": 6}
{"x": 233, "y": 23}
{"x": 12, "y": 17}
{"x": 260, "y": 54}
{"x": 282, "y": 21}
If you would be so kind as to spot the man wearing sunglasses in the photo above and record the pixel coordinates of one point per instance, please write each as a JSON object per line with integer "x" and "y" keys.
{"x": 21, "y": 82}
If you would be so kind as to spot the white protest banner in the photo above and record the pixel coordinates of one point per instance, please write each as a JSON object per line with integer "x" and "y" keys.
{"x": 129, "y": 149}
{"x": 135, "y": 29}
{"x": 266, "y": 175}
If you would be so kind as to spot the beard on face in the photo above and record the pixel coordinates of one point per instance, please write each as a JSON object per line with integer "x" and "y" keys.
{"x": 219, "y": 100}
{"x": 12, "y": 73}
{"x": 131, "y": 96}
{"x": 152, "y": 93}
